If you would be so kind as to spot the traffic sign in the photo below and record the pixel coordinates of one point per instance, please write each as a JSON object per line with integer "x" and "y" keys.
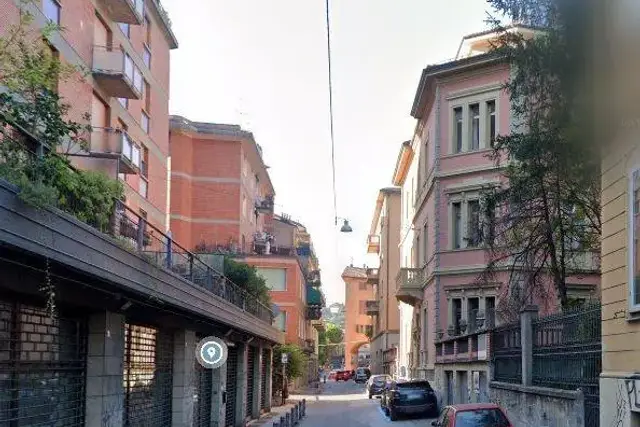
{"x": 285, "y": 358}
{"x": 212, "y": 352}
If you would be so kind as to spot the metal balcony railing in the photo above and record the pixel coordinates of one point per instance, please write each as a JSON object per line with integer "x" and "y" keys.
{"x": 116, "y": 72}
{"x": 373, "y": 308}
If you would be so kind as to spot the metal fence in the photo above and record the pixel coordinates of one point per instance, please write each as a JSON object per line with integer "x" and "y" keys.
{"x": 42, "y": 367}
{"x": 506, "y": 351}
{"x": 135, "y": 234}
{"x": 567, "y": 355}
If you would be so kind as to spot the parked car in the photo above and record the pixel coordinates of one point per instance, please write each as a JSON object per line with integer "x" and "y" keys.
{"x": 375, "y": 385}
{"x": 343, "y": 375}
{"x": 473, "y": 415}
{"x": 332, "y": 375}
{"x": 362, "y": 375}
{"x": 410, "y": 397}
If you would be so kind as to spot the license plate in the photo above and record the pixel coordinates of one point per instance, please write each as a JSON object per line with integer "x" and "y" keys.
{"x": 415, "y": 396}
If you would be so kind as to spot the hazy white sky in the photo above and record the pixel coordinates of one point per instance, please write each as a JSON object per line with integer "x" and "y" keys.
{"x": 263, "y": 64}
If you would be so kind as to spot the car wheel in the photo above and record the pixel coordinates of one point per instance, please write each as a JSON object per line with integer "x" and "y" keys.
{"x": 393, "y": 416}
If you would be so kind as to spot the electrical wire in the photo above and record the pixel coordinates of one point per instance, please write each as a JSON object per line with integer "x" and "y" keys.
{"x": 333, "y": 148}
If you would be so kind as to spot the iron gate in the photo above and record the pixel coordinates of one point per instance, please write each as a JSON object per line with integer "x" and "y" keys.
{"x": 148, "y": 376}
{"x": 250, "y": 379}
{"x": 232, "y": 380}
{"x": 263, "y": 379}
{"x": 202, "y": 405}
{"x": 42, "y": 367}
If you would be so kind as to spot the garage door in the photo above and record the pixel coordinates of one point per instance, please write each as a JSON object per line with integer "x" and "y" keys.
{"x": 251, "y": 363}
{"x": 263, "y": 379}
{"x": 232, "y": 380}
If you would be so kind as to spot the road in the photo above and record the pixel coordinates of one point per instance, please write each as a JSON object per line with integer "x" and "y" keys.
{"x": 346, "y": 405}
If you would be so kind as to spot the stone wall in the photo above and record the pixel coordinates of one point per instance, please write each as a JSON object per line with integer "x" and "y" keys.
{"x": 529, "y": 406}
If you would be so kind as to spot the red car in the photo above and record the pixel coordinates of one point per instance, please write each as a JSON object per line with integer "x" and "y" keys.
{"x": 472, "y": 415}
{"x": 343, "y": 375}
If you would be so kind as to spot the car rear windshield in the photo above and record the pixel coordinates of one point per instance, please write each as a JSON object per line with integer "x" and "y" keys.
{"x": 481, "y": 418}
{"x": 414, "y": 384}
{"x": 380, "y": 380}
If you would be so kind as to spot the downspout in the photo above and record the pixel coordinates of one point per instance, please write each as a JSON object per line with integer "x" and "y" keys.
{"x": 386, "y": 326}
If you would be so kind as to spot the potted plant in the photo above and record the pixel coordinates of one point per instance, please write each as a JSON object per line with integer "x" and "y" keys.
{"x": 479, "y": 319}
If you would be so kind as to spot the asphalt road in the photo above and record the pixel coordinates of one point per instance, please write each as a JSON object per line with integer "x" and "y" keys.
{"x": 345, "y": 404}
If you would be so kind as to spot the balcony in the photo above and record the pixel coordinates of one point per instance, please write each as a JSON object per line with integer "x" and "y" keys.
{"x": 314, "y": 313}
{"x": 318, "y": 324}
{"x": 125, "y": 11}
{"x": 308, "y": 346}
{"x": 314, "y": 296}
{"x": 114, "y": 70}
{"x": 265, "y": 205}
{"x": 409, "y": 284}
{"x": 373, "y": 244}
{"x": 109, "y": 143}
{"x": 373, "y": 308}
{"x": 373, "y": 275}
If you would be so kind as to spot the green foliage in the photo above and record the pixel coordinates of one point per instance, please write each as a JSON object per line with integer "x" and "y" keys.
{"x": 333, "y": 333}
{"x": 296, "y": 364}
{"x": 550, "y": 210}
{"x": 247, "y": 277}
{"x": 327, "y": 339}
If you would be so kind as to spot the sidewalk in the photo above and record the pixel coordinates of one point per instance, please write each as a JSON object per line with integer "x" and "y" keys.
{"x": 276, "y": 411}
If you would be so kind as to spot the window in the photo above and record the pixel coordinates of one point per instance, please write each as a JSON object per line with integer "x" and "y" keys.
{"x": 52, "y": 11}
{"x": 362, "y": 307}
{"x": 146, "y": 57}
{"x": 143, "y": 188}
{"x": 144, "y": 122}
{"x": 138, "y": 81}
{"x": 491, "y": 222}
{"x": 125, "y": 28}
{"x": 275, "y": 278}
{"x": 425, "y": 240}
{"x": 124, "y": 102}
{"x": 280, "y": 321}
{"x": 491, "y": 121}
{"x": 457, "y": 129}
{"x": 144, "y": 164}
{"x": 128, "y": 67}
{"x": 457, "y": 225}
{"x": 474, "y": 126}
{"x": 475, "y": 237}
{"x": 634, "y": 236}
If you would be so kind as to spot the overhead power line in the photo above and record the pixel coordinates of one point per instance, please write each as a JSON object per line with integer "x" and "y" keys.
{"x": 333, "y": 147}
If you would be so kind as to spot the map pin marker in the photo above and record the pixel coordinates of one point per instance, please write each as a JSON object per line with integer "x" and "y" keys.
{"x": 211, "y": 351}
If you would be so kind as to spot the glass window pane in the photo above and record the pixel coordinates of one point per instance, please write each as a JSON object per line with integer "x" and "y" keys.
{"x": 474, "y": 112}
{"x": 457, "y": 219}
{"x": 145, "y": 122}
{"x": 275, "y": 278}
{"x": 52, "y": 11}
{"x": 124, "y": 28}
{"x": 146, "y": 56}
{"x": 458, "y": 129}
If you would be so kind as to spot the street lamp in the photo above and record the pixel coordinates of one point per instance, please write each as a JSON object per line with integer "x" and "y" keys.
{"x": 346, "y": 228}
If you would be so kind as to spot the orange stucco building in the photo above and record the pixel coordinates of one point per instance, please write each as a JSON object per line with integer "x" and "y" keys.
{"x": 358, "y": 323}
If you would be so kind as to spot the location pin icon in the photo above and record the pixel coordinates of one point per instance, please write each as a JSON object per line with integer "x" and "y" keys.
{"x": 211, "y": 351}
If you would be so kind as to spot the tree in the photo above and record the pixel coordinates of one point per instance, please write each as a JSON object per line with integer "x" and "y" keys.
{"x": 330, "y": 339}
{"x": 296, "y": 365}
{"x": 548, "y": 213}
{"x": 246, "y": 276}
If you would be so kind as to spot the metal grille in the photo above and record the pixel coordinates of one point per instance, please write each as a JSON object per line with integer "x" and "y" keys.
{"x": 232, "y": 377}
{"x": 202, "y": 405}
{"x": 567, "y": 355}
{"x": 42, "y": 368}
{"x": 148, "y": 362}
{"x": 506, "y": 351}
{"x": 263, "y": 379}
{"x": 251, "y": 363}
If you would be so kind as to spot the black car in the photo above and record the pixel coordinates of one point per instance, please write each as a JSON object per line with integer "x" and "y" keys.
{"x": 375, "y": 385}
{"x": 411, "y": 397}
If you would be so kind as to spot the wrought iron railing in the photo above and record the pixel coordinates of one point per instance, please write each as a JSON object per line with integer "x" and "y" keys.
{"x": 137, "y": 235}
{"x": 506, "y": 352}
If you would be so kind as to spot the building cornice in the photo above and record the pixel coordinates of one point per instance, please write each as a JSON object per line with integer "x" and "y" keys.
{"x": 405, "y": 156}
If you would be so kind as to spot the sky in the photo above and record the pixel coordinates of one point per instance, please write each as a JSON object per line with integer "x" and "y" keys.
{"x": 263, "y": 64}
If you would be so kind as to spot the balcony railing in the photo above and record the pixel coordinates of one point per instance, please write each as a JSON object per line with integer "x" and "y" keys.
{"x": 314, "y": 296}
{"x": 116, "y": 73}
{"x": 110, "y": 143}
{"x": 135, "y": 234}
{"x": 314, "y": 312}
{"x": 373, "y": 243}
{"x": 265, "y": 205}
{"x": 373, "y": 308}
{"x": 409, "y": 283}
{"x": 125, "y": 11}
{"x": 373, "y": 275}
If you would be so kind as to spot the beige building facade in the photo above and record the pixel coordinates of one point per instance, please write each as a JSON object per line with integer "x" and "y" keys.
{"x": 619, "y": 89}
{"x": 385, "y": 229}
{"x": 358, "y": 288}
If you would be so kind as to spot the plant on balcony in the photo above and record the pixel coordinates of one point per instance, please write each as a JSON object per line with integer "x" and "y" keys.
{"x": 451, "y": 331}
{"x": 463, "y": 326}
{"x": 246, "y": 276}
{"x": 551, "y": 205}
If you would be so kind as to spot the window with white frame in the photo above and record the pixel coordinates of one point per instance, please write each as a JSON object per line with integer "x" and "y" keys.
{"x": 51, "y": 10}
{"x": 457, "y": 225}
{"x": 634, "y": 236}
{"x": 275, "y": 278}
{"x": 457, "y": 129}
{"x": 474, "y": 125}
{"x": 474, "y": 235}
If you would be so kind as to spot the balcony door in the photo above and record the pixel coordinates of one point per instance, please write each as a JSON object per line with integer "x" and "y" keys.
{"x": 101, "y": 34}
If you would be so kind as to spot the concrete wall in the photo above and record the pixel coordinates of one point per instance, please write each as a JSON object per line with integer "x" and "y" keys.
{"x": 539, "y": 407}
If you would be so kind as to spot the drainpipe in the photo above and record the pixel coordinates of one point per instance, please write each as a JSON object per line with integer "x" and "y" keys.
{"x": 386, "y": 344}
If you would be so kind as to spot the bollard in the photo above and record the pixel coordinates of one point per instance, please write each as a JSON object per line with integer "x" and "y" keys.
{"x": 304, "y": 407}
{"x": 283, "y": 422}
{"x": 293, "y": 416}
{"x": 287, "y": 421}
{"x": 298, "y": 411}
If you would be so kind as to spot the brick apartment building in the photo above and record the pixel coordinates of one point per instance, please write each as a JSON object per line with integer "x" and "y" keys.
{"x": 222, "y": 200}
{"x": 126, "y": 46}
{"x": 221, "y": 192}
